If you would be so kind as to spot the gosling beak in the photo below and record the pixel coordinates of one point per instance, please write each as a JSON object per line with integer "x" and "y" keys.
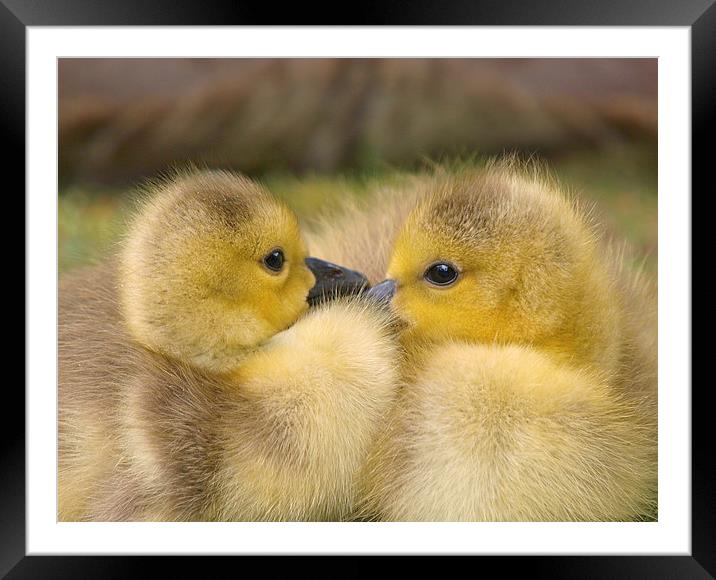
{"x": 333, "y": 281}
{"x": 382, "y": 292}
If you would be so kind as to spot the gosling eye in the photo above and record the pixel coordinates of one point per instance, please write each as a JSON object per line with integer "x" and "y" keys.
{"x": 274, "y": 260}
{"x": 441, "y": 274}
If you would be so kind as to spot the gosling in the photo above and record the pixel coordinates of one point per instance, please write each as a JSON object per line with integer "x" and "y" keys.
{"x": 195, "y": 383}
{"x": 530, "y": 375}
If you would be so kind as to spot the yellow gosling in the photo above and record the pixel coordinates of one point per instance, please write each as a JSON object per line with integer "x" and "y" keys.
{"x": 531, "y": 371}
{"x": 195, "y": 383}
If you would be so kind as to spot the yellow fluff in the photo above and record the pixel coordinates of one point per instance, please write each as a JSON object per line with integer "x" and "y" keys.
{"x": 531, "y": 379}
{"x": 194, "y": 382}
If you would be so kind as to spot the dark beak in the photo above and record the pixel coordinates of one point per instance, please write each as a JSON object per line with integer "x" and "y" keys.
{"x": 333, "y": 281}
{"x": 382, "y": 292}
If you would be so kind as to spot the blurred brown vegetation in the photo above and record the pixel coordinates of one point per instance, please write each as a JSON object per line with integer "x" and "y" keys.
{"x": 123, "y": 119}
{"x": 318, "y": 130}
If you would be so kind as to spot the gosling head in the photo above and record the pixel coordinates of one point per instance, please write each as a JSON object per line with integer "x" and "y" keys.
{"x": 214, "y": 266}
{"x": 490, "y": 256}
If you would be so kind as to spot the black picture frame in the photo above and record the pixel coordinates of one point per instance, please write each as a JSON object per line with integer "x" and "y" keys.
{"x": 16, "y": 15}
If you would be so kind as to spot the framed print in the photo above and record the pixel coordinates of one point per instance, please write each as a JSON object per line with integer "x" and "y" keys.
{"x": 188, "y": 100}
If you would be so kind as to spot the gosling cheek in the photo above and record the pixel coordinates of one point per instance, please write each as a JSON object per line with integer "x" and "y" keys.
{"x": 296, "y": 301}
{"x": 309, "y": 279}
{"x": 402, "y": 308}
{"x": 303, "y": 308}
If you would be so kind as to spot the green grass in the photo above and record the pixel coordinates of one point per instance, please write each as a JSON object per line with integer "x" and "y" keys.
{"x": 89, "y": 223}
{"x": 621, "y": 183}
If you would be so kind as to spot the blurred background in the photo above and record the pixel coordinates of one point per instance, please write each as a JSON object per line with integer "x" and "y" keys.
{"x": 315, "y": 130}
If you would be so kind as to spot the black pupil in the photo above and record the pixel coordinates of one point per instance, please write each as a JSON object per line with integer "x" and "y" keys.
{"x": 274, "y": 260}
{"x": 441, "y": 274}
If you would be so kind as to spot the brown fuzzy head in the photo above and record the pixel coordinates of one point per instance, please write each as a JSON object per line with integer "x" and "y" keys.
{"x": 497, "y": 255}
{"x": 212, "y": 266}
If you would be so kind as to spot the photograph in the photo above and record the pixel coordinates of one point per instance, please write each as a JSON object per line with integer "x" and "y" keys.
{"x": 357, "y": 289}
{"x": 413, "y": 287}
